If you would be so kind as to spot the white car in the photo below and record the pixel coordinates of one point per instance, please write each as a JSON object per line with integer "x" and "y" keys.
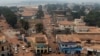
{"x": 23, "y": 47}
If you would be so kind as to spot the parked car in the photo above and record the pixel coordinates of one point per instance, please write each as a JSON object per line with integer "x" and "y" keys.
{"x": 23, "y": 47}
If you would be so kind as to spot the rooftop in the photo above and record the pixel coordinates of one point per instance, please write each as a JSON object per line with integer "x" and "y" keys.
{"x": 65, "y": 22}
{"x": 93, "y": 47}
{"x": 31, "y": 8}
{"x": 40, "y": 38}
{"x": 67, "y": 38}
{"x": 79, "y": 22}
{"x": 26, "y": 13}
{"x": 29, "y": 11}
{"x": 92, "y": 30}
{"x": 88, "y": 36}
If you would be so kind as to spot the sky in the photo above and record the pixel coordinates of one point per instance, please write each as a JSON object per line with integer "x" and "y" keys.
{"x": 14, "y": 1}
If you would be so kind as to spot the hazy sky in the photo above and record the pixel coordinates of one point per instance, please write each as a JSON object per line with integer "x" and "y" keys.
{"x": 13, "y": 1}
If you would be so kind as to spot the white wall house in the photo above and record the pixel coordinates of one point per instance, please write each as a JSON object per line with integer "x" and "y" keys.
{"x": 81, "y": 29}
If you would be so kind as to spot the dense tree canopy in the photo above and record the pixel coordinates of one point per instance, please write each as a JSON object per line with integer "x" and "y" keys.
{"x": 24, "y": 24}
{"x": 52, "y": 7}
{"x": 13, "y": 8}
{"x": 40, "y": 12}
{"x": 39, "y": 27}
{"x": 96, "y": 7}
{"x": 11, "y": 18}
{"x": 93, "y": 18}
{"x": 80, "y": 12}
{"x": 75, "y": 15}
{"x": 40, "y": 7}
{"x": 76, "y": 7}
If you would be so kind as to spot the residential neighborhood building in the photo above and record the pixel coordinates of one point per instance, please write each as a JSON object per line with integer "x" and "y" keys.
{"x": 93, "y": 50}
{"x": 68, "y": 44}
{"x": 64, "y": 27}
{"x": 58, "y": 15}
{"x": 5, "y": 49}
{"x": 40, "y": 43}
{"x": 32, "y": 25}
{"x": 28, "y": 13}
{"x": 64, "y": 30}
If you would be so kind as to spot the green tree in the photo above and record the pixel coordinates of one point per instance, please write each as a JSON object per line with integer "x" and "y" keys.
{"x": 75, "y": 15}
{"x": 78, "y": 14}
{"x": 93, "y": 18}
{"x": 96, "y": 7}
{"x": 40, "y": 7}
{"x": 40, "y": 12}
{"x": 39, "y": 27}
{"x": 76, "y": 7}
{"x": 10, "y": 16}
{"x": 24, "y": 24}
{"x": 51, "y": 7}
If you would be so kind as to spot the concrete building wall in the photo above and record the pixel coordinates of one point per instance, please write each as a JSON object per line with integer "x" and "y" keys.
{"x": 66, "y": 26}
{"x": 64, "y": 48}
{"x": 42, "y": 50}
{"x": 80, "y": 29}
{"x": 5, "y": 53}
